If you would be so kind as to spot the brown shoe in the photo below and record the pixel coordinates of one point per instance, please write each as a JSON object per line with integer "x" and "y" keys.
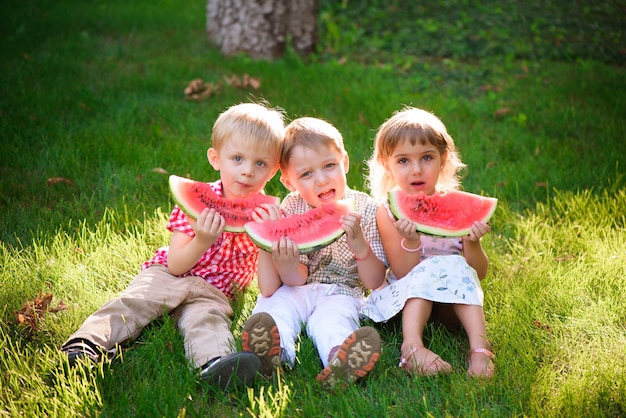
{"x": 355, "y": 359}
{"x": 260, "y": 336}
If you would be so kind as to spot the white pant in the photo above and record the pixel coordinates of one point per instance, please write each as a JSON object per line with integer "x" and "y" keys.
{"x": 329, "y": 317}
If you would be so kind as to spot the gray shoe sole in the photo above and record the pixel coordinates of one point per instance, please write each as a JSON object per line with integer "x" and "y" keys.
{"x": 260, "y": 336}
{"x": 355, "y": 359}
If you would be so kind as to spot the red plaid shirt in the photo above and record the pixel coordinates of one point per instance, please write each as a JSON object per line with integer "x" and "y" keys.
{"x": 231, "y": 262}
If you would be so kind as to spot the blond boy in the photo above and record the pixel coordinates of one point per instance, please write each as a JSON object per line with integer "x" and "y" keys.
{"x": 204, "y": 268}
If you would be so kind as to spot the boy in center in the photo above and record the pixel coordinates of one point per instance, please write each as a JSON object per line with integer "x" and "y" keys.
{"x": 324, "y": 289}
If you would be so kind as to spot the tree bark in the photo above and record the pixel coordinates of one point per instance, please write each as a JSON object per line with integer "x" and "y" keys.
{"x": 261, "y": 28}
{"x": 302, "y": 26}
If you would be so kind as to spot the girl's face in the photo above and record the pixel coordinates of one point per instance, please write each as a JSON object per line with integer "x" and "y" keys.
{"x": 319, "y": 174}
{"x": 415, "y": 168}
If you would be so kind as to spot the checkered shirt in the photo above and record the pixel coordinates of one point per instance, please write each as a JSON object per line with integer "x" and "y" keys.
{"x": 231, "y": 262}
{"x": 335, "y": 264}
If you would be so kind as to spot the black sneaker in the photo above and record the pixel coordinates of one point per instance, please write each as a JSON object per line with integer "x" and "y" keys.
{"x": 233, "y": 369}
{"x": 79, "y": 348}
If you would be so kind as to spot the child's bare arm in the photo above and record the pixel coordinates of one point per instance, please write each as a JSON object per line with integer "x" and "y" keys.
{"x": 267, "y": 276}
{"x": 371, "y": 269}
{"x": 185, "y": 251}
{"x": 473, "y": 250}
{"x": 401, "y": 260}
{"x": 286, "y": 258}
{"x": 282, "y": 264}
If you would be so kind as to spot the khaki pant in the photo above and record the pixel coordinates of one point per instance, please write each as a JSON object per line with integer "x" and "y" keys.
{"x": 203, "y": 314}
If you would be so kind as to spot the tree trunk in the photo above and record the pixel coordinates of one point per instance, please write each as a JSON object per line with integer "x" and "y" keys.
{"x": 302, "y": 26}
{"x": 261, "y": 28}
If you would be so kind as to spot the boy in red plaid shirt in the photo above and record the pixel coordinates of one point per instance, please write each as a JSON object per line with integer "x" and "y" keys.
{"x": 204, "y": 267}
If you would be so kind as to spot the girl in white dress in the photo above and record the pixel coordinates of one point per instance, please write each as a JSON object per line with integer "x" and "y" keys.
{"x": 414, "y": 152}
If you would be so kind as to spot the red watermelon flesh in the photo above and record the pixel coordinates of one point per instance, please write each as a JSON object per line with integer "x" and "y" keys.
{"x": 311, "y": 231}
{"x": 194, "y": 196}
{"x": 450, "y": 214}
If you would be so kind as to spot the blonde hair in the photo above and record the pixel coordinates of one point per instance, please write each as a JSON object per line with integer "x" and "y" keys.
{"x": 310, "y": 133}
{"x": 257, "y": 125}
{"x": 413, "y": 125}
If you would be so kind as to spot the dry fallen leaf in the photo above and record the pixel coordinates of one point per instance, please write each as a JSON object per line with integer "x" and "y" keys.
{"x": 538, "y": 324}
{"x": 566, "y": 258}
{"x": 503, "y": 111}
{"x": 243, "y": 82}
{"x": 489, "y": 87}
{"x": 363, "y": 120}
{"x": 33, "y": 310}
{"x": 199, "y": 90}
{"x": 195, "y": 86}
{"x": 255, "y": 83}
{"x": 54, "y": 180}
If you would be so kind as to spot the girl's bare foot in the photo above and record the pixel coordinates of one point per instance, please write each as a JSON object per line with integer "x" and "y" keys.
{"x": 480, "y": 363}
{"x": 420, "y": 360}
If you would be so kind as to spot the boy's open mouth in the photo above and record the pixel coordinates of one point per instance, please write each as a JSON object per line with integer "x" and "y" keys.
{"x": 327, "y": 196}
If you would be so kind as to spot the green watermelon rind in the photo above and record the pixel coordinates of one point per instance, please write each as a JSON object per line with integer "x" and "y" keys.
{"x": 309, "y": 247}
{"x": 176, "y": 182}
{"x": 399, "y": 213}
{"x": 265, "y": 244}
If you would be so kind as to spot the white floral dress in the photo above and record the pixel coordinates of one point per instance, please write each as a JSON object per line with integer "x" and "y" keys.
{"x": 442, "y": 276}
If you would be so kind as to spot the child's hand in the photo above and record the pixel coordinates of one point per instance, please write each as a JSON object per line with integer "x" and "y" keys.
{"x": 265, "y": 212}
{"x": 479, "y": 229}
{"x": 285, "y": 253}
{"x": 351, "y": 223}
{"x": 407, "y": 229}
{"x": 285, "y": 249}
{"x": 209, "y": 226}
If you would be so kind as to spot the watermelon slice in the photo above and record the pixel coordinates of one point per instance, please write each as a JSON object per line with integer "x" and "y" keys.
{"x": 194, "y": 196}
{"x": 451, "y": 214}
{"x": 311, "y": 231}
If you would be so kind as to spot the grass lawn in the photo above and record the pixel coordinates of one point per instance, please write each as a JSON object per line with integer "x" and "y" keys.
{"x": 93, "y": 117}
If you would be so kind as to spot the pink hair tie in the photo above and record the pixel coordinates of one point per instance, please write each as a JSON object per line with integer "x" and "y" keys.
{"x": 410, "y": 250}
